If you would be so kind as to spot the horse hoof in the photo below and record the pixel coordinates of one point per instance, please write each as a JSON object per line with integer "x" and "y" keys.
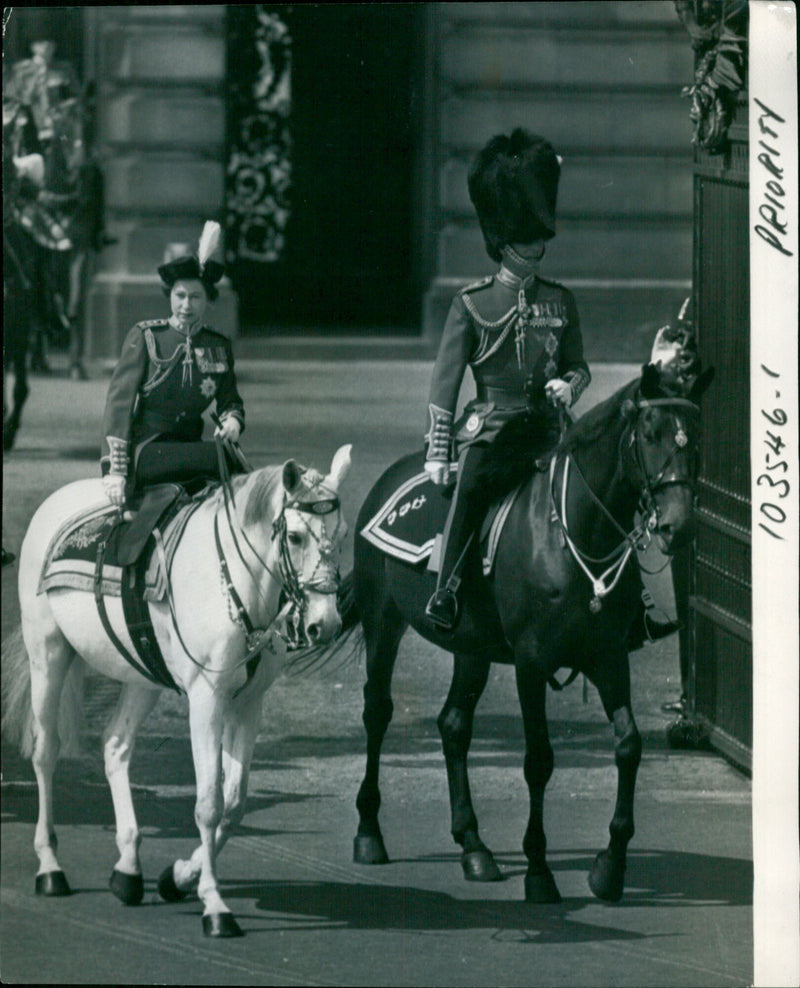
{"x": 52, "y": 883}
{"x": 167, "y": 888}
{"x": 221, "y": 925}
{"x": 480, "y": 866}
{"x": 129, "y": 889}
{"x": 607, "y": 878}
{"x": 369, "y": 850}
{"x": 541, "y": 888}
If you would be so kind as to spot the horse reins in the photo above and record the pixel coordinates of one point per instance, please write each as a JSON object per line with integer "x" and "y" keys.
{"x": 618, "y": 557}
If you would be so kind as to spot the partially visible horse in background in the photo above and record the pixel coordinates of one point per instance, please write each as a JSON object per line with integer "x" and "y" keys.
{"x": 23, "y": 177}
{"x": 254, "y": 559}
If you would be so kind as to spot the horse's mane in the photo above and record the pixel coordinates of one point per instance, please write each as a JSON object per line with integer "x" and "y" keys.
{"x": 524, "y": 441}
{"x": 263, "y": 485}
{"x": 598, "y": 420}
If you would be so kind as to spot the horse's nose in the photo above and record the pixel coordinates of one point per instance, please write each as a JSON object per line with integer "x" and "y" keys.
{"x": 675, "y": 537}
{"x": 317, "y": 633}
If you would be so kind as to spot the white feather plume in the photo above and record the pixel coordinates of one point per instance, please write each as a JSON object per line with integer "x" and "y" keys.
{"x": 209, "y": 241}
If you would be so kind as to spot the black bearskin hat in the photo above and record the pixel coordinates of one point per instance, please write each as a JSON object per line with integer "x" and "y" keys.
{"x": 197, "y": 267}
{"x": 513, "y": 185}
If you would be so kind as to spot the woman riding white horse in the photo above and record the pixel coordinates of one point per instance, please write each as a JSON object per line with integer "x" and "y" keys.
{"x": 256, "y": 560}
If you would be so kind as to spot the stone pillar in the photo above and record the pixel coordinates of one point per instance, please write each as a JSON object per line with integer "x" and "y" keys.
{"x": 159, "y": 72}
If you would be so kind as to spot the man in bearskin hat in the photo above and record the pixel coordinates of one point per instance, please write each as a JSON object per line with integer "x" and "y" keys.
{"x": 517, "y": 332}
{"x": 169, "y": 373}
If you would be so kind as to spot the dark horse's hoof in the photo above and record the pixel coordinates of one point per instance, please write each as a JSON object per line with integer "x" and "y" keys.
{"x": 167, "y": 888}
{"x": 541, "y": 888}
{"x": 369, "y": 850}
{"x": 52, "y": 883}
{"x": 221, "y": 925}
{"x": 480, "y": 866}
{"x": 607, "y": 877}
{"x": 129, "y": 889}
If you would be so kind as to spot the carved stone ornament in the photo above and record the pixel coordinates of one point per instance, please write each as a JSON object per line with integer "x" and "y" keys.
{"x": 718, "y": 29}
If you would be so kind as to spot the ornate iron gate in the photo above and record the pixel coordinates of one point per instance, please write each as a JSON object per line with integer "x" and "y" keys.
{"x": 720, "y": 620}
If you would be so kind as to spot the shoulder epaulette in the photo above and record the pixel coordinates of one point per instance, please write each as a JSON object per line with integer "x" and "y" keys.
{"x": 549, "y": 281}
{"x": 476, "y": 285}
{"x": 216, "y": 332}
{"x": 152, "y": 323}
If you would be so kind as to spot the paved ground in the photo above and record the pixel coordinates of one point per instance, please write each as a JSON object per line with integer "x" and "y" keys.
{"x": 310, "y": 915}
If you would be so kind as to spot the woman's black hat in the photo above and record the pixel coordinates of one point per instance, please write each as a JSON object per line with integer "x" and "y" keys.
{"x": 197, "y": 267}
{"x": 513, "y": 185}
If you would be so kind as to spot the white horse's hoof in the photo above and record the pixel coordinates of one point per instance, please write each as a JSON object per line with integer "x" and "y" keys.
{"x": 167, "y": 888}
{"x": 221, "y": 925}
{"x": 129, "y": 889}
{"x": 52, "y": 883}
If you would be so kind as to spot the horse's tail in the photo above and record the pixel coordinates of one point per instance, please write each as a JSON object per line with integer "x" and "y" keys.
{"x": 17, "y": 712}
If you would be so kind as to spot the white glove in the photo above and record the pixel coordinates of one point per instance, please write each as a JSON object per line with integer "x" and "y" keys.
{"x": 438, "y": 470}
{"x": 229, "y": 428}
{"x": 114, "y": 486}
{"x": 558, "y": 392}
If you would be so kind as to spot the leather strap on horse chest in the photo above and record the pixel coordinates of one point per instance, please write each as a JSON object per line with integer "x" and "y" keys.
{"x": 137, "y": 617}
{"x": 241, "y": 611}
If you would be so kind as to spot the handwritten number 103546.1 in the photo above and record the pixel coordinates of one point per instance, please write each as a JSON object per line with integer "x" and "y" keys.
{"x": 778, "y": 487}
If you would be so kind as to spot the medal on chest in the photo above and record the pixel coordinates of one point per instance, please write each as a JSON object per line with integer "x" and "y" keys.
{"x": 208, "y": 387}
{"x": 542, "y": 319}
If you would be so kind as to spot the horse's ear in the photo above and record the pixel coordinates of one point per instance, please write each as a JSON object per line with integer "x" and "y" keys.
{"x": 339, "y": 467}
{"x": 700, "y": 386}
{"x": 292, "y": 476}
{"x": 651, "y": 379}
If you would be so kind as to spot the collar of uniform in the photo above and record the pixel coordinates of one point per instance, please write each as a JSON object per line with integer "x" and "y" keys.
{"x": 192, "y": 331}
{"x": 515, "y": 269}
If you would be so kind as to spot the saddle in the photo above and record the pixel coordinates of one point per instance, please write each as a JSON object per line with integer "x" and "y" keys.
{"x": 96, "y": 552}
{"x": 150, "y": 507}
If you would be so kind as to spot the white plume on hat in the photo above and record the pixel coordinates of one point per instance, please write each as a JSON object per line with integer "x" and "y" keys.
{"x": 209, "y": 241}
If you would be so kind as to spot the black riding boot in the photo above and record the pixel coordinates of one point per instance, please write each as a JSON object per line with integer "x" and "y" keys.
{"x": 463, "y": 517}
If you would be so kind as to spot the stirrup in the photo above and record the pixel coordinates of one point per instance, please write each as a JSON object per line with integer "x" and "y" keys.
{"x": 442, "y": 609}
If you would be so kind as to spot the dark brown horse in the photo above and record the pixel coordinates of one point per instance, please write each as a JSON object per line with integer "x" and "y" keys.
{"x": 562, "y": 594}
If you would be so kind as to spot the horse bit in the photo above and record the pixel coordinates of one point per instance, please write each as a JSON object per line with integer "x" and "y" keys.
{"x": 641, "y": 535}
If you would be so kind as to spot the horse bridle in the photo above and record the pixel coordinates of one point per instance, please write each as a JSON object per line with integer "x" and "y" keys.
{"x": 325, "y": 578}
{"x": 650, "y": 485}
{"x": 640, "y": 536}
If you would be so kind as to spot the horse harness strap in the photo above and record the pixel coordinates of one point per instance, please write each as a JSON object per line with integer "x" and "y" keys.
{"x": 254, "y": 638}
{"x": 620, "y": 555}
{"x": 151, "y": 662}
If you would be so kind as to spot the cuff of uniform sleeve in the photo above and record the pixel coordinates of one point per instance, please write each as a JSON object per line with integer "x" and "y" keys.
{"x": 578, "y": 380}
{"x": 438, "y": 436}
{"x": 118, "y": 457}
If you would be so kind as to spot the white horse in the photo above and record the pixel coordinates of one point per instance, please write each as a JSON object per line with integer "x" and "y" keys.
{"x": 278, "y": 529}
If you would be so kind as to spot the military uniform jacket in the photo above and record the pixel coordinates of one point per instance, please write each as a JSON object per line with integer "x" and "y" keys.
{"x": 515, "y": 334}
{"x": 164, "y": 382}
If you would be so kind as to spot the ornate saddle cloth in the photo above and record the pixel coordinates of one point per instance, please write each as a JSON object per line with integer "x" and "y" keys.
{"x": 71, "y": 558}
{"x": 412, "y": 516}
{"x": 84, "y": 555}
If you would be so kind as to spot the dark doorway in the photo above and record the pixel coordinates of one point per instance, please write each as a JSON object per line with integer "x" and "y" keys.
{"x": 348, "y": 261}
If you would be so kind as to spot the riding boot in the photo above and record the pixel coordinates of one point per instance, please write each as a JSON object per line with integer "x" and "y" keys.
{"x": 442, "y": 608}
